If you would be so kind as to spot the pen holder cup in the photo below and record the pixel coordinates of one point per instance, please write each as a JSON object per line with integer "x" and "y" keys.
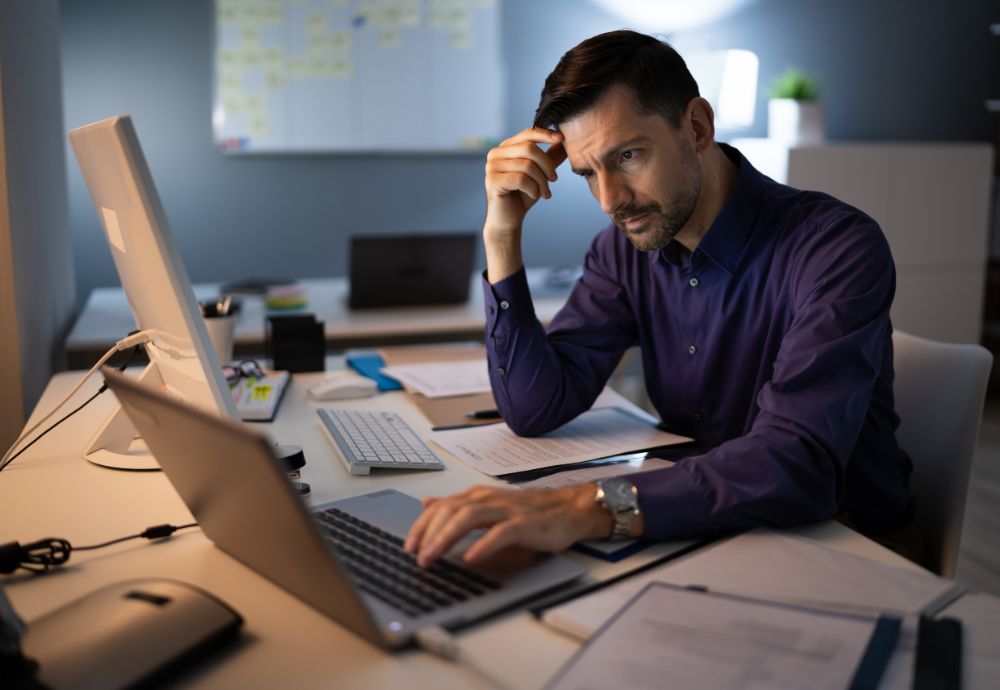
{"x": 221, "y": 329}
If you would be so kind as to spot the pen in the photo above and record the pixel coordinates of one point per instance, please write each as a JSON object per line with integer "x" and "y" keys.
{"x": 483, "y": 414}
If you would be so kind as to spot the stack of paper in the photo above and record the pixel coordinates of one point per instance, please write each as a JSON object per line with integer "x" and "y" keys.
{"x": 496, "y": 450}
{"x": 778, "y": 566}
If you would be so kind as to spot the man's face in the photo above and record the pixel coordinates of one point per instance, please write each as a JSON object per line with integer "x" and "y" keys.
{"x": 643, "y": 171}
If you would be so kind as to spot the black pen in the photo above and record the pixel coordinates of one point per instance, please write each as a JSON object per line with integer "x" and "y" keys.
{"x": 483, "y": 414}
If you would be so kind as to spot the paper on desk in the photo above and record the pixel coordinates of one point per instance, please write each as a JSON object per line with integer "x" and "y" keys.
{"x": 496, "y": 450}
{"x": 674, "y": 637}
{"x": 442, "y": 379}
{"x": 773, "y": 565}
{"x": 566, "y": 478}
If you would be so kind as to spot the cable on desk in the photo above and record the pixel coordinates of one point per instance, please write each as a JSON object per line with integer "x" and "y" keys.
{"x": 45, "y": 554}
{"x": 134, "y": 341}
{"x": 441, "y": 643}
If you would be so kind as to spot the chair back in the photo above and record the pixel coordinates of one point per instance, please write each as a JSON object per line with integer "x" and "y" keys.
{"x": 939, "y": 391}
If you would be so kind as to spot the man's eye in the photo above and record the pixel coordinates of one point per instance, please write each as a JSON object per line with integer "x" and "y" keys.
{"x": 627, "y": 155}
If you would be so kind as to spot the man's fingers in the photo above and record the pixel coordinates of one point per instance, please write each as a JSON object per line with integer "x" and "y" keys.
{"x": 417, "y": 528}
{"x": 500, "y": 158}
{"x": 497, "y": 537}
{"x": 535, "y": 135}
{"x": 436, "y": 517}
{"x": 461, "y": 522}
{"x": 507, "y": 183}
{"x": 557, "y": 154}
{"x": 519, "y": 166}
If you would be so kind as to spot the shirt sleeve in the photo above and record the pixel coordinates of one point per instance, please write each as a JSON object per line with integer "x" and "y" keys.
{"x": 541, "y": 379}
{"x": 790, "y": 467}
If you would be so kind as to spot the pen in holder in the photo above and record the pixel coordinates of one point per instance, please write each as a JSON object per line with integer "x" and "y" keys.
{"x": 220, "y": 322}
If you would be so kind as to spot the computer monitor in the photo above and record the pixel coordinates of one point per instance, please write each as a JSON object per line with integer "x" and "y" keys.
{"x": 181, "y": 359}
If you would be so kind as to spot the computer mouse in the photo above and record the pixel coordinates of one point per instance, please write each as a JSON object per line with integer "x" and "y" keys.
{"x": 123, "y": 633}
{"x": 341, "y": 385}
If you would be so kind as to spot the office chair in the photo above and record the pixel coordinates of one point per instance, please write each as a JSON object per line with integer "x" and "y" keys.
{"x": 939, "y": 391}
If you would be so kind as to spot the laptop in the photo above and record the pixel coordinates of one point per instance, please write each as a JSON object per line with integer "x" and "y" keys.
{"x": 411, "y": 270}
{"x": 344, "y": 558}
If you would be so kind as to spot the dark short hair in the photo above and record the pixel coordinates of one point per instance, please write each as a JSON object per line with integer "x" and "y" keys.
{"x": 654, "y": 72}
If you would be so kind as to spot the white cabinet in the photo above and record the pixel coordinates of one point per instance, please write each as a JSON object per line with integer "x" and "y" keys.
{"x": 933, "y": 203}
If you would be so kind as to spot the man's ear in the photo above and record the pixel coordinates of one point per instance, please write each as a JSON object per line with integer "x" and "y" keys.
{"x": 699, "y": 118}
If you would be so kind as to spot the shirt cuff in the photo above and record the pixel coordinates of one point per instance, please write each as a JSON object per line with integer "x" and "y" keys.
{"x": 508, "y": 305}
{"x": 672, "y": 503}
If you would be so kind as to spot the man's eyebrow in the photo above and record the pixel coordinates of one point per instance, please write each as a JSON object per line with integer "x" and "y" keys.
{"x": 613, "y": 150}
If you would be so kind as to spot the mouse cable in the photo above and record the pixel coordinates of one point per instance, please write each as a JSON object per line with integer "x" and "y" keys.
{"x": 441, "y": 643}
{"x": 133, "y": 341}
{"x": 45, "y": 554}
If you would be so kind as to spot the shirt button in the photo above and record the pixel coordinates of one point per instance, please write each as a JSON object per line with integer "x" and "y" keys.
{"x": 692, "y": 349}
{"x": 501, "y": 371}
{"x": 505, "y": 305}
{"x": 693, "y": 282}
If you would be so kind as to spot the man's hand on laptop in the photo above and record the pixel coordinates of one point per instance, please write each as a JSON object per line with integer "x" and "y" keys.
{"x": 539, "y": 519}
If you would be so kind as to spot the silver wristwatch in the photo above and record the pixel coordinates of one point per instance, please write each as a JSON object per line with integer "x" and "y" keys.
{"x": 619, "y": 497}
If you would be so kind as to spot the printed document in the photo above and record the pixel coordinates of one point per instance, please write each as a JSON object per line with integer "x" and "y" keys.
{"x": 496, "y": 450}
{"x": 442, "y": 379}
{"x": 671, "y": 637}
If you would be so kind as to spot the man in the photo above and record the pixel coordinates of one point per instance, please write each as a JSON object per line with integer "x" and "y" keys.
{"x": 761, "y": 311}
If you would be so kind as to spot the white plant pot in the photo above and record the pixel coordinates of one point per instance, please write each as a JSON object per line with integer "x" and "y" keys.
{"x": 794, "y": 122}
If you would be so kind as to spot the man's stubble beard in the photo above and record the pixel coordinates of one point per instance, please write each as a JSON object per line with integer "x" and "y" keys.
{"x": 662, "y": 226}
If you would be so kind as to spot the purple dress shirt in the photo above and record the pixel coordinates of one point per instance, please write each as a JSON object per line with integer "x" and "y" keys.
{"x": 770, "y": 343}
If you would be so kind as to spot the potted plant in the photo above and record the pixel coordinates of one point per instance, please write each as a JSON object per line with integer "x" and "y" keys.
{"x": 794, "y": 114}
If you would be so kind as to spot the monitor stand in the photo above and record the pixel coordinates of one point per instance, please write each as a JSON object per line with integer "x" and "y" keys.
{"x": 117, "y": 445}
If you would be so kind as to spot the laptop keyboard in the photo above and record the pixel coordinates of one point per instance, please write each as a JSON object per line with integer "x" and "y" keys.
{"x": 380, "y": 567}
{"x": 377, "y": 439}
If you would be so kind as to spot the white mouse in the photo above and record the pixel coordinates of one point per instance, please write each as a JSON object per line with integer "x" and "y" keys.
{"x": 341, "y": 385}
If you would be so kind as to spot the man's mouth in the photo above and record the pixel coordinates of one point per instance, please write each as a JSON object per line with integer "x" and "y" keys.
{"x": 634, "y": 223}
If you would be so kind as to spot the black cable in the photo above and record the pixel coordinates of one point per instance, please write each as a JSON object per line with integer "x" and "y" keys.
{"x": 54, "y": 425}
{"x": 154, "y": 532}
{"x": 45, "y": 554}
{"x": 89, "y": 400}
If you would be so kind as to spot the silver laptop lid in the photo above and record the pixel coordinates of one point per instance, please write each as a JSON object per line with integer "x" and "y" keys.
{"x": 231, "y": 481}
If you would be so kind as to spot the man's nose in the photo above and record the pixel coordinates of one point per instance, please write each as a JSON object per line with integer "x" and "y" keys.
{"x": 611, "y": 194}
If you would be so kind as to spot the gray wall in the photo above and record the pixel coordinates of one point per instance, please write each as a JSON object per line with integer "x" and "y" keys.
{"x": 38, "y": 271}
{"x": 890, "y": 69}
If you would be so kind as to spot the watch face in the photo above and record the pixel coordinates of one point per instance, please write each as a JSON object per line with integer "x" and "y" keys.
{"x": 620, "y": 494}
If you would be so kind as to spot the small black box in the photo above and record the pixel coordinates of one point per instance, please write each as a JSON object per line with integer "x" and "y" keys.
{"x": 296, "y": 343}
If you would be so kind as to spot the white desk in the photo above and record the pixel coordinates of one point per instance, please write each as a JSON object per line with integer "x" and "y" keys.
{"x": 106, "y": 317}
{"x": 52, "y": 491}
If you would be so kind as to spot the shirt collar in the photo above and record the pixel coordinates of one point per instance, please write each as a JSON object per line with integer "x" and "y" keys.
{"x": 726, "y": 237}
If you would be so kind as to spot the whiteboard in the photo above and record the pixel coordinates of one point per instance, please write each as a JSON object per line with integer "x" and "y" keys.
{"x": 357, "y": 75}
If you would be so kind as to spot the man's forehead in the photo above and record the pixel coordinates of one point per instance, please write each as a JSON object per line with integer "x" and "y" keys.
{"x": 614, "y": 119}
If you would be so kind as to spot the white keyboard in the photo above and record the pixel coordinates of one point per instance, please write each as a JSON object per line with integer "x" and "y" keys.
{"x": 376, "y": 439}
